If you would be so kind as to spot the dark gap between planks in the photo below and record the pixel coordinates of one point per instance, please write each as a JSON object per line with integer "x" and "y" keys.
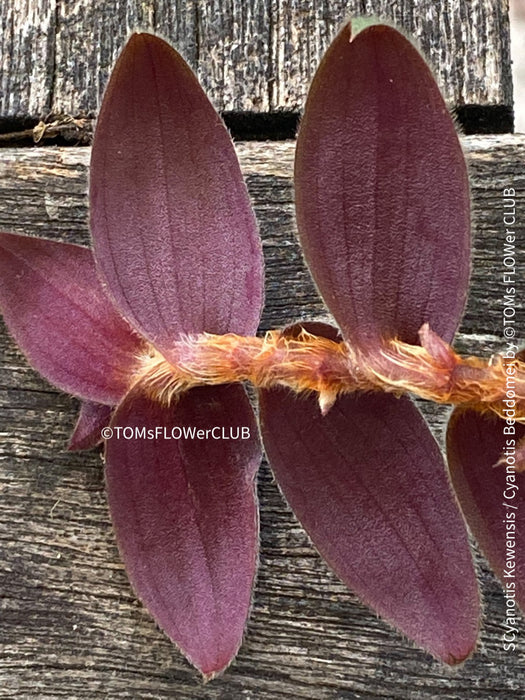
{"x": 243, "y": 126}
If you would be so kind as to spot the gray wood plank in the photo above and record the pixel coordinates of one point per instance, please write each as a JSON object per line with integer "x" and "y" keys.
{"x": 27, "y": 57}
{"x": 233, "y": 53}
{"x": 71, "y": 626}
{"x": 89, "y": 36}
{"x": 455, "y": 37}
{"x": 254, "y": 55}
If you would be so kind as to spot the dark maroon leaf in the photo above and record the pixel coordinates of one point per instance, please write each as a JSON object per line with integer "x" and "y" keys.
{"x": 368, "y": 483}
{"x": 382, "y": 194}
{"x": 185, "y": 516}
{"x": 56, "y": 310}
{"x": 173, "y": 230}
{"x": 92, "y": 419}
{"x": 492, "y": 497}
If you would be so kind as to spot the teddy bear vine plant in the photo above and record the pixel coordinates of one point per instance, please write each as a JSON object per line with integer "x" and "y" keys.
{"x": 155, "y": 329}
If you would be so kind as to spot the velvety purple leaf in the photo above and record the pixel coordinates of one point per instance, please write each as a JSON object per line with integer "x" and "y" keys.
{"x": 173, "y": 230}
{"x": 368, "y": 483}
{"x": 55, "y": 307}
{"x": 492, "y": 497}
{"x": 185, "y": 515}
{"x": 92, "y": 419}
{"x": 381, "y": 191}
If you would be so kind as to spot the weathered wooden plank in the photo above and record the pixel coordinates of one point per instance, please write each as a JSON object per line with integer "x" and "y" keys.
{"x": 233, "y": 53}
{"x": 257, "y": 55}
{"x": 455, "y": 37}
{"x": 72, "y": 628}
{"x": 89, "y": 36}
{"x": 27, "y": 56}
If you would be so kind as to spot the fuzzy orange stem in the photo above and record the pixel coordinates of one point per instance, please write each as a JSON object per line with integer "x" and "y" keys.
{"x": 304, "y": 362}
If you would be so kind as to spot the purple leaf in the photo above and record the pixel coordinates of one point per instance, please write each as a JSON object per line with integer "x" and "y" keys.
{"x": 55, "y": 308}
{"x": 92, "y": 419}
{"x": 492, "y": 497}
{"x": 382, "y": 193}
{"x": 368, "y": 483}
{"x": 185, "y": 516}
{"x": 174, "y": 234}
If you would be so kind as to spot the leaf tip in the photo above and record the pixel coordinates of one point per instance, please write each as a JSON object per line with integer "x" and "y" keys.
{"x": 457, "y": 659}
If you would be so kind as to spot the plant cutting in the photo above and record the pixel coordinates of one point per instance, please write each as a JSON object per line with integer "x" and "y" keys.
{"x": 155, "y": 329}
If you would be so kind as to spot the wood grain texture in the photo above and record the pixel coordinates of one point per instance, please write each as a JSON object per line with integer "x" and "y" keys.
{"x": 253, "y": 55}
{"x": 232, "y": 63}
{"x": 70, "y": 625}
{"x": 454, "y": 36}
{"x": 27, "y": 56}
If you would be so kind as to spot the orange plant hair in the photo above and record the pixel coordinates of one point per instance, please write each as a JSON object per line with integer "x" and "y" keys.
{"x": 304, "y": 362}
